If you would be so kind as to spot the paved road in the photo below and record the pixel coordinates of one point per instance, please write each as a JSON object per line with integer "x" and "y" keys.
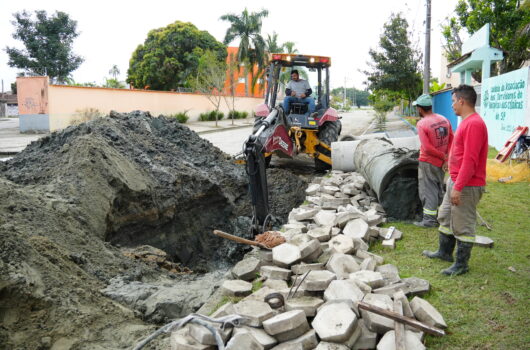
{"x": 231, "y": 141}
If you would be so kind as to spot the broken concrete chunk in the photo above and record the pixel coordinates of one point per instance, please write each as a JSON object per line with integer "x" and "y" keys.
{"x": 400, "y": 295}
{"x": 224, "y": 310}
{"x": 307, "y": 245}
{"x": 416, "y": 286}
{"x": 322, "y": 233}
{"x": 390, "y": 289}
{"x": 180, "y": 340}
{"x": 236, "y": 288}
{"x": 344, "y": 290}
{"x": 275, "y": 273}
{"x": 324, "y": 345}
{"x": 286, "y": 254}
{"x": 325, "y": 218}
{"x": 389, "y": 243}
{"x": 334, "y": 202}
{"x": 396, "y": 234}
{"x": 302, "y": 214}
{"x": 312, "y": 189}
{"x": 367, "y": 339}
{"x": 243, "y": 341}
{"x": 275, "y": 284}
{"x": 307, "y": 304}
{"x": 335, "y": 231}
{"x": 427, "y": 313}
{"x": 284, "y": 322}
{"x": 329, "y": 189}
{"x": 307, "y": 341}
{"x": 246, "y": 269}
{"x": 483, "y": 241}
{"x": 388, "y": 342}
{"x": 374, "y": 219}
{"x": 374, "y": 322}
{"x": 389, "y": 272}
{"x": 341, "y": 244}
{"x": 335, "y": 322}
{"x": 342, "y": 218}
{"x": 360, "y": 244}
{"x": 342, "y": 265}
{"x": 371, "y": 278}
{"x": 256, "y": 311}
{"x": 318, "y": 280}
{"x": 300, "y": 226}
{"x": 368, "y": 264}
{"x": 259, "y": 334}
{"x": 204, "y": 336}
{"x": 356, "y": 228}
{"x": 288, "y": 346}
{"x": 342, "y": 195}
{"x": 292, "y": 334}
{"x": 302, "y": 268}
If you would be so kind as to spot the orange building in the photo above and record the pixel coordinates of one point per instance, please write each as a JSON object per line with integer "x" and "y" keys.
{"x": 237, "y": 80}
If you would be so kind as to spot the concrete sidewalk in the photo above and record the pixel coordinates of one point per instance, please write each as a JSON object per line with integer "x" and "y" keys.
{"x": 222, "y": 125}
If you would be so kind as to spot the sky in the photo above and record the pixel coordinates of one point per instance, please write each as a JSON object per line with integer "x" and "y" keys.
{"x": 344, "y": 30}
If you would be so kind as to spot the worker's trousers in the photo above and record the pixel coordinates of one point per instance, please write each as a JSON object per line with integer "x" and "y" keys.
{"x": 430, "y": 188}
{"x": 460, "y": 220}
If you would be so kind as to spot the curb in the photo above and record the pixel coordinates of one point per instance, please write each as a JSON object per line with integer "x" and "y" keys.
{"x": 222, "y": 129}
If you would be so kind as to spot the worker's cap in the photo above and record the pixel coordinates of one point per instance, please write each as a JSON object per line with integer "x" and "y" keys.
{"x": 424, "y": 100}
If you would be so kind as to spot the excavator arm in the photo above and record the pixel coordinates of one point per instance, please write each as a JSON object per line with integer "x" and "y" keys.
{"x": 256, "y": 172}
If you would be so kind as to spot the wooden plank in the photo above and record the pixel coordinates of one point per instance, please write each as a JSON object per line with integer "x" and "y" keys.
{"x": 399, "y": 328}
{"x": 402, "y": 319}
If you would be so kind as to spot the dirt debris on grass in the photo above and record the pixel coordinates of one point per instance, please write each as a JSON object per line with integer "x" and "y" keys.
{"x": 73, "y": 201}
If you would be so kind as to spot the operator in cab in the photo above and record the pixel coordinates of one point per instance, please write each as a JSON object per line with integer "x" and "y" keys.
{"x": 298, "y": 90}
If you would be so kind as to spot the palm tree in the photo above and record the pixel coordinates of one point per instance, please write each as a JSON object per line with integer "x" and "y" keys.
{"x": 114, "y": 71}
{"x": 272, "y": 43}
{"x": 247, "y": 28}
{"x": 289, "y": 47}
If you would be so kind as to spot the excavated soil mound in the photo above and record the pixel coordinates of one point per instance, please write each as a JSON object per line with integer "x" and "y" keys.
{"x": 72, "y": 199}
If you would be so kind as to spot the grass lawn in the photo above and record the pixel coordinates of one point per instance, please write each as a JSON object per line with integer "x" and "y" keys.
{"x": 489, "y": 307}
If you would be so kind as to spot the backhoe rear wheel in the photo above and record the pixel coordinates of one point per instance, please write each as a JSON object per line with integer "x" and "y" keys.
{"x": 328, "y": 133}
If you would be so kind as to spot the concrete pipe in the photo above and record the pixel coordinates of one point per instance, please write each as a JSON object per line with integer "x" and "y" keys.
{"x": 392, "y": 173}
{"x": 342, "y": 152}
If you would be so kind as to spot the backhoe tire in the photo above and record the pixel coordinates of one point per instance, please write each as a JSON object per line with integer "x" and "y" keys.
{"x": 328, "y": 133}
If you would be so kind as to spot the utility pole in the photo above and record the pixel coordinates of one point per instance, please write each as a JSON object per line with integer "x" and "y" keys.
{"x": 427, "y": 67}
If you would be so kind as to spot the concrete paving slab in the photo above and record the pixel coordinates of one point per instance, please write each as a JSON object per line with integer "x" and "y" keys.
{"x": 335, "y": 322}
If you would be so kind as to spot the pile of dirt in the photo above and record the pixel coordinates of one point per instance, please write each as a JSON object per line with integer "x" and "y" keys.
{"x": 74, "y": 198}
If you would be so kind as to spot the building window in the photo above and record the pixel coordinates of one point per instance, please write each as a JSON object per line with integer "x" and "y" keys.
{"x": 241, "y": 80}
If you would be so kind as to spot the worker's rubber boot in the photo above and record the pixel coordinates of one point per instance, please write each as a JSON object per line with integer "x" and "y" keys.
{"x": 463, "y": 253}
{"x": 428, "y": 221}
{"x": 445, "y": 250}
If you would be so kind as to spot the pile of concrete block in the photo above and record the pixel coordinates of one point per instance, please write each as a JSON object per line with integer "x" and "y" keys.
{"x": 316, "y": 280}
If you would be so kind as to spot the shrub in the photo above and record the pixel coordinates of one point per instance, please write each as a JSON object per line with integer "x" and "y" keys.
{"x": 181, "y": 117}
{"x": 210, "y": 116}
{"x": 237, "y": 114}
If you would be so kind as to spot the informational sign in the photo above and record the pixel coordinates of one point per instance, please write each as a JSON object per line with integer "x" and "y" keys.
{"x": 505, "y": 105}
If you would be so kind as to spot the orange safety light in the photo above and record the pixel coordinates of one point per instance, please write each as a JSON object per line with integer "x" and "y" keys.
{"x": 324, "y": 59}
{"x": 276, "y": 57}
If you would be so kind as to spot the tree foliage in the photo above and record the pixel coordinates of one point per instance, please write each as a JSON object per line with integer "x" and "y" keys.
{"x": 356, "y": 97}
{"x": 272, "y": 44}
{"x": 247, "y": 28}
{"x": 395, "y": 66}
{"x": 210, "y": 79}
{"x": 509, "y": 28}
{"x": 169, "y": 57}
{"x": 47, "y": 43}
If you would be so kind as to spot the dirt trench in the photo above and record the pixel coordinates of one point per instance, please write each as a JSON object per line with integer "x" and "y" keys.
{"x": 72, "y": 199}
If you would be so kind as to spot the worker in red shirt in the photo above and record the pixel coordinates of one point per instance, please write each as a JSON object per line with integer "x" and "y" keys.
{"x": 465, "y": 186}
{"x": 435, "y": 135}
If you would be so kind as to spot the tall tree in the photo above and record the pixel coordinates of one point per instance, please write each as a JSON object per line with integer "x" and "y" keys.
{"x": 210, "y": 79}
{"x": 509, "y": 28}
{"x": 114, "y": 71}
{"x": 272, "y": 44}
{"x": 289, "y": 47}
{"x": 169, "y": 57}
{"x": 247, "y": 28}
{"x": 47, "y": 44}
{"x": 395, "y": 66}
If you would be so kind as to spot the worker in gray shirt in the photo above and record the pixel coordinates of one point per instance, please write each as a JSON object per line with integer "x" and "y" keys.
{"x": 298, "y": 90}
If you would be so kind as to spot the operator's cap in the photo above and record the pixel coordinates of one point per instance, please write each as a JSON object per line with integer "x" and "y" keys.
{"x": 424, "y": 100}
